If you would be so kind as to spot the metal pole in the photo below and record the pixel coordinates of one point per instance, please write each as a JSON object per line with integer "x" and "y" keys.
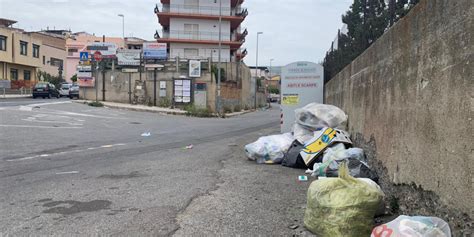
{"x": 154, "y": 85}
{"x": 256, "y": 74}
{"x": 95, "y": 82}
{"x": 218, "y": 99}
{"x": 123, "y": 29}
{"x": 130, "y": 88}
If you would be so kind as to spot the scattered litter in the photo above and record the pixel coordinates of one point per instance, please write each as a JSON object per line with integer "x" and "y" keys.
{"x": 232, "y": 144}
{"x": 293, "y": 226}
{"x": 190, "y": 146}
{"x": 146, "y": 134}
{"x": 269, "y": 149}
{"x": 343, "y": 206}
{"x": 303, "y": 178}
{"x": 36, "y": 107}
{"x": 303, "y": 134}
{"x": 413, "y": 226}
{"x": 69, "y": 172}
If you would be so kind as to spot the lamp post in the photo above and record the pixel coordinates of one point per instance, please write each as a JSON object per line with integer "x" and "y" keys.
{"x": 218, "y": 98}
{"x": 256, "y": 72}
{"x": 123, "y": 28}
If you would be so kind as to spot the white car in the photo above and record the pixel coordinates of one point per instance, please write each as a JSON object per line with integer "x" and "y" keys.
{"x": 64, "y": 89}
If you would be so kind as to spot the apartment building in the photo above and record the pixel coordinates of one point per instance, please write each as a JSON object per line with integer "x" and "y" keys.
{"x": 191, "y": 28}
{"x": 23, "y": 54}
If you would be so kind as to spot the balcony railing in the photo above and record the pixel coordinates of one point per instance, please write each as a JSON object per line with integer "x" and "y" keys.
{"x": 197, "y": 35}
{"x": 203, "y": 10}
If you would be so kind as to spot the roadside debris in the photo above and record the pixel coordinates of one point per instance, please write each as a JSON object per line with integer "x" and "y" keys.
{"x": 293, "y": 226}
{"x": 146, "y": 134}
{"x": 292, "y": 157}
{"x": 189, "y": 147}
{"x": 343, "y": 206}
{"x": 413, "y": 226}
{"x": 316, "y": 116}
{"x": 269, "y": 149}
{"x": 302, "y": 178}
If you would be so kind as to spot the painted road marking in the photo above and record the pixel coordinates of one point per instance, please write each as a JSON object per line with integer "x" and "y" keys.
{"x": 31, "y": 126}
{"x": 67, "y": 152}
{"x": 69, "y": 172}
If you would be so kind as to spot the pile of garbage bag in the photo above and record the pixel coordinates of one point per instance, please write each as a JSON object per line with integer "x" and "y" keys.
{"x": 413, "y": 226}
{"x": 269, "y": 149}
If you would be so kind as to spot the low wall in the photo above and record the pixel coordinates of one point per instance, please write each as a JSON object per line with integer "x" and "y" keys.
{"x": 409, "y": 100}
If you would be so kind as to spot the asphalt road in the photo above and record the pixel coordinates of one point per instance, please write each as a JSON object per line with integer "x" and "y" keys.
{"x": 71, "y": 169}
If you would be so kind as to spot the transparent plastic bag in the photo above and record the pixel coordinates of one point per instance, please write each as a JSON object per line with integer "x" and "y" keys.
{"x": 269, "y": 149}
{"x": 316, "y": 116}
{"x": 416, "y": 226}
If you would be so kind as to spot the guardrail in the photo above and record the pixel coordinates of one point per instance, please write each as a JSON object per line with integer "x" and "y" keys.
{"x": 22, "y": 91}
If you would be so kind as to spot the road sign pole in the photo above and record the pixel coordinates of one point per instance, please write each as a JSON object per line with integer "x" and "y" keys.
{"x": 130, "y": 88}
{"x": 154, "y": 85}
{"x": 95, "y": 81}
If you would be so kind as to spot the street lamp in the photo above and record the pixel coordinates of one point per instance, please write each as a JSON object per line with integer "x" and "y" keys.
{"x": 218, "y": 98}
{"x": 256, "y": 72}
{"x": 123, "y": 28}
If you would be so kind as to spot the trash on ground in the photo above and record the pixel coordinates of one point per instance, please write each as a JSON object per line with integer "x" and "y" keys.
{"x": 317, "y": 115}
{"x": 292, "y": 157}
{"x": 413, "y": 226}
{"x": 269, "y": 149}
{"x": 303, "y": 134}
{"x": 303, "y": 178}
{"x": 146, "y": 134}
{"x": 321, "y": 140}
{"x": 343, "y": 206}
{"x": 335, "y": 155}
{"x": 190, "y": 146}
{"x": 293, "y": 226}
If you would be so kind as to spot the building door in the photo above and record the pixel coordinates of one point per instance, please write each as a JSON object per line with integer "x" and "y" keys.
{"x": 191, "y": 31}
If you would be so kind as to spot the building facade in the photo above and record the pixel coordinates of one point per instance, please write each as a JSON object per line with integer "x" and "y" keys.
{"x": 191, "y": 28}
{"x": 24, "y": 54}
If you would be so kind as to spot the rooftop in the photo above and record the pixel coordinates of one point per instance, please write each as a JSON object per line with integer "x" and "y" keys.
{"x": 7, "y": 22}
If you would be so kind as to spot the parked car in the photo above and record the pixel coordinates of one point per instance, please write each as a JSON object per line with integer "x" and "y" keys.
{"x": 74, "y": 91}
{"x": 45, "y": 89}
{"x": 64, "y": 89}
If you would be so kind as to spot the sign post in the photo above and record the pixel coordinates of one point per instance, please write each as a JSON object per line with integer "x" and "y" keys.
{"x": 301, "y": 83}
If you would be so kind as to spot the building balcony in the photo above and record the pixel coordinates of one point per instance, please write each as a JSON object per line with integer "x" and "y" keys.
{"x": 241, "y": 54}
{"x": 233, "y": 3}
{"x": 234, "y": 15}
{"x": 190, "y": 37}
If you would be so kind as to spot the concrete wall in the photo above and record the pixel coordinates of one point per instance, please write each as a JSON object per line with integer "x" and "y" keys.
{"x": 411, "y": 93}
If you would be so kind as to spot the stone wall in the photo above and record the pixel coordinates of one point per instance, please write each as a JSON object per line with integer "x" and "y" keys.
{"x": 409, "y": 98}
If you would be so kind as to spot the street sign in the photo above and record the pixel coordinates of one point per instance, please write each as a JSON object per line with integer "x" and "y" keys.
{"x": 153, "y": 66}
{"x": 129, "y": 70}
{"x": 301, "y": 83}
{"x": 84, "y": 56}
{"x": 84, "y": 68}
{"x": 155, "y": 51}
{"x": 97, "y": 56}
{"x": 128, "y": 57}
{"x": 84, "y": 74}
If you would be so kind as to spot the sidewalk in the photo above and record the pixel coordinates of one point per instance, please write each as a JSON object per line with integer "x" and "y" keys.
{"x": 144, "y": 108}
{"x": 14, "y": 96}
{"x": 141, "y": 108}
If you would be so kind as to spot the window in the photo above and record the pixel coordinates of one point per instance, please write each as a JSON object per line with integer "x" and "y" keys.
{"x": 71, "y": 51}
{"x": 191, "y": 53}
{"x": 26, "y": 75}
{"x": 3, "y": 43}
{"x": 191, "y": 31}
{"x": 23, "y": 48}
{"x": 44, "y": 60}
{"x": 56, "y": 62}
{"x": 36, "y": 51}
{"x": 14, "y": 74}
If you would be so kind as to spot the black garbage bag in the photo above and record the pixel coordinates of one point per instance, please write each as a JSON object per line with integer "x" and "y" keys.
{"x": 357, "y": 169}
{"x": 293, "y": 158}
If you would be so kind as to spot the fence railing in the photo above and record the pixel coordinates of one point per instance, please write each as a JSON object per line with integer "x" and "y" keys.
{"x": 195, "y": 35}
{"x": 203, "y": 10}
{"x": 4, "y": 92}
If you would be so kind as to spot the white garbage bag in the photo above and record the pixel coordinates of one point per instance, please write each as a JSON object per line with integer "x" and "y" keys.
{"x": 316, "y": 116}
{"x": 269, "y": 149}
{"x": 417, "y": 226}
{"x": 302, "y": 134}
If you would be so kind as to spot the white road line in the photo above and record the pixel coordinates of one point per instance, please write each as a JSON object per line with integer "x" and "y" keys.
{"x": 31, "y": 126}
{"x": 67, "y": 152}
{"x": 69, "y": 172}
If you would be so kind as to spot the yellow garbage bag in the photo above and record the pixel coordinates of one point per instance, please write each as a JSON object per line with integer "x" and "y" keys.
{"x": 343, "y": 206}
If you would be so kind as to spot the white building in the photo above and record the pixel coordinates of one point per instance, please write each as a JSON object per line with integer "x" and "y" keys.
{"x": 191, "y": 28}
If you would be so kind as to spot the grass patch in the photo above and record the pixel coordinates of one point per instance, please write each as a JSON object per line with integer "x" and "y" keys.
{"x": 192, "y": 111}
{"x": 96, "y": 104}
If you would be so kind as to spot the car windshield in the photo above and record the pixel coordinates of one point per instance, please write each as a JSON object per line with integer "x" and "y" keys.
{"x": 65, "y": 86}
{"x": 75, "y": 87}
{"x": 41, "y": 85}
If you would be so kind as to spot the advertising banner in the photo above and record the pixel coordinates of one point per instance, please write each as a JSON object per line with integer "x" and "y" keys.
{"x": 194, "y": 68}
{"x": 128, "y": 57}
{"x": 155, "y": 51}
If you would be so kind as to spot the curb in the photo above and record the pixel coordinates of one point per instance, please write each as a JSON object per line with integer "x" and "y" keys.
{"x": 134, "y": 109}
{"x": 238, "y": 113}
{"x": 15, "y": 96}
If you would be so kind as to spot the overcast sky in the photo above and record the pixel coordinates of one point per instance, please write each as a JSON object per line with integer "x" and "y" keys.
{"x": 293, "y": 29}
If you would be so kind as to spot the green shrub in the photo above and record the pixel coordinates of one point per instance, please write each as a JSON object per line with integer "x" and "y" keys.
{"x": 227, "y": 109}
{"x": 237, "y": 108}
{"x": 192, "y": 111}
{"x": 164, "y": 102}
{"x": 96, "y": 104}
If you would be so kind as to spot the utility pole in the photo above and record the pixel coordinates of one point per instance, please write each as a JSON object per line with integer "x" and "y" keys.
{"x": 218, "y": 99}
{"x": 123, "y": 28}
{"x": 256, "y": 72}
{"x": 154, "y": 84}
{"x": 104, "y": 63}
